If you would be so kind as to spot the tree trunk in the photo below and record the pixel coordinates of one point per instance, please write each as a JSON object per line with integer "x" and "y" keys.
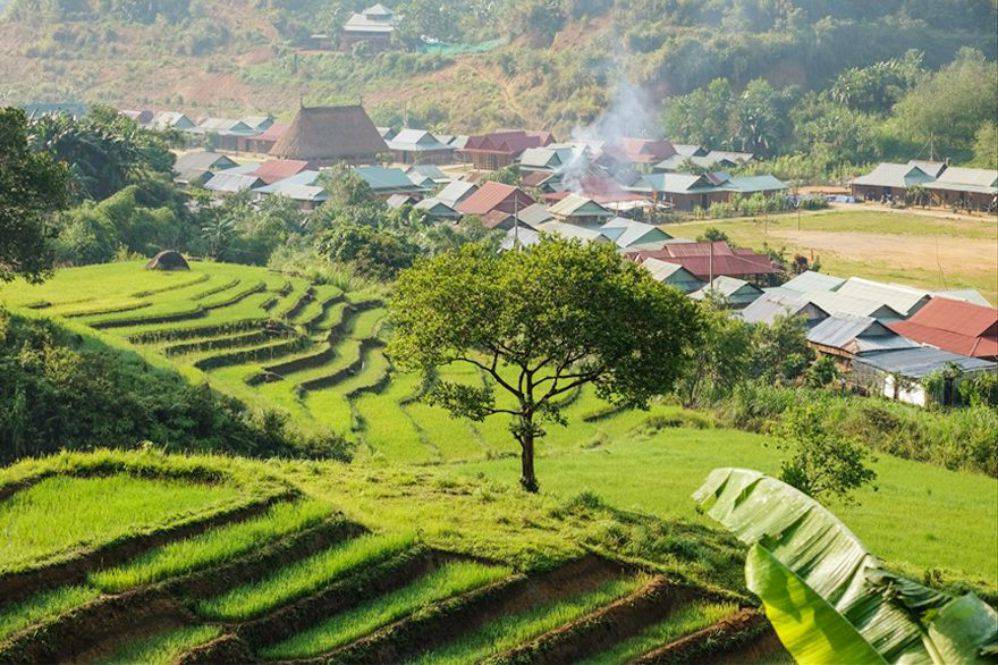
{"x": 527, "y": 478}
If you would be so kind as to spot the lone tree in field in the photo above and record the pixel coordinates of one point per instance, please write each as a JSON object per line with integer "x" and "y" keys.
{"x": 538, "y": 324}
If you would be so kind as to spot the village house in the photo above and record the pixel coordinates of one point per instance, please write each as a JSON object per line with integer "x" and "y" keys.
{"x": 672, "y": 274}
{"x": 385, "y": 182}
{"x": 418, "y": 146}
{"x": 326, "y": 135}
{"x": 971, "y": 189}
{"x": 195, "y": 168}
{"x": 707, "y": 260}
{"x": 736, "y": 293}
{"x": 224, "y": 133}
{"x": 630, "y": 234}
{"x": 689, "y": 150}
{"x": 373, "y": 27}
{"x": 777, "y": 303}
{"x": 232, "y": 181}
{"x": 437, "y": 209}
{"x": 575, "y": 209}
{"x": 838, "y": 304}
{"x": 809, "y": 281}
{"x": 171, "y": 120}
{"x": 900, "y": 375}
{"x": 455, "y": 192}
{"x": 273, "y": 170}
{"x": 635, "y": 153}
{"x": 427, "y": 175}
{"x": 301, "y": 188}
{"x": 888, "y": 181}
{"x": 263, "y": 142}
{"x": 545, "y": 160}
{"x": 493, "y": 197}
{"x": 903, "y": 299}
{"x": 686, "y": 191}
{"x": 846, "y": 337}
{"x": 491, "y": 152}
{"x": 954, "y": 326}
{"x": 141, "y": 116}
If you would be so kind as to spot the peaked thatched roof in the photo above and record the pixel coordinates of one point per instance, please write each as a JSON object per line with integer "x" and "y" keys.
{"x": 329, "y": 134}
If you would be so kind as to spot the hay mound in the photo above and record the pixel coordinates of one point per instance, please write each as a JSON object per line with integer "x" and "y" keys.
{"x": 168, "y": 259}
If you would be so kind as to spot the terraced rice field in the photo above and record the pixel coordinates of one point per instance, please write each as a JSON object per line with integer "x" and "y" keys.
{"x": 294, "y": 580}
{"x": 275, "y": 341}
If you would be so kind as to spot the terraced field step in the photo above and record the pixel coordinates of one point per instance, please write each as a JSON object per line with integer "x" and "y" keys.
{"x": 241, "y": 339}
{"x": 354, "y": 357}
{"x": 179, "y": 311}
{"x": 744, "y": 637}
{"x": 328, "y": 639}
{"x": 266, "y": 351}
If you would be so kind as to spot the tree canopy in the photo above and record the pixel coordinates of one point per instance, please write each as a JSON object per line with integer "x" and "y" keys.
{"x": 538, "y": 324}
{"x": 32, "y": 185}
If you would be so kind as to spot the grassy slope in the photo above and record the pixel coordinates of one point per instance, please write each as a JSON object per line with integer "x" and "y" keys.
{"x": 909, "y": 519}
{"x": 911, "y": 248}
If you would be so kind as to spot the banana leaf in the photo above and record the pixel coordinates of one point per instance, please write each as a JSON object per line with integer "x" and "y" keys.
{"x": 828, "y": 598}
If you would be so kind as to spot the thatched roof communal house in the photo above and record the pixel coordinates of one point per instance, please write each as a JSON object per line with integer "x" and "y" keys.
{"x": 325, "y": 135}
{"x": 168, "y": 259}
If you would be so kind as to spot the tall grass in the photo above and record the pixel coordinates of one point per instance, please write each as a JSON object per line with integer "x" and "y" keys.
{"x": 63, "y": 514}
{"x": 512, "y": 630}
{"x": 43, "y": 607}
{"x": 450, "y": 580}
{"x": 212, "y": 547}
{"x": 304, "y": 577}
{"x": 162, "y": 648}
{"x": 689, "y": 619}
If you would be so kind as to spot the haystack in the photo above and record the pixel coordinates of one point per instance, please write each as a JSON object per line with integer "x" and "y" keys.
{"x": 168, "y": 259}
{"x": 322, "y": 135}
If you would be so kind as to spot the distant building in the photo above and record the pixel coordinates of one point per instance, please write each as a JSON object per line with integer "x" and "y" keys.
{"x": 493, "y": 197}
{"x": 672, "y": 274}
{"x": 171, "y": 120}
{"x": 325, "y": 135}
{"x": 575, "y": 209}
{"x": 263, "y": 143}
{"x": 736, "y": 292}
{"x": 686, "y": 191}
{"x": 973, "y": 189}
{"x": 706, "y": 260}
{"x": 274, "y": 170}
{"x": 954, "y": 326}
{"x": 457, "y": 191}
{"x": 491, "y": 152}
{"x": 418, "y": 146}
{"x": 879, "y": 373}
{"x": 195, "y": 168}
{"x": 373, "y": 27}
{"x": 385, "y": 182}
{"x": 776, "y": 303}
{"x": 888, "y": 181}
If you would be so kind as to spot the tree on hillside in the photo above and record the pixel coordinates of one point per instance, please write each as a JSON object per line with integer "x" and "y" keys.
{"x": 539, "y": 324}
{"x": 31, "y": 186}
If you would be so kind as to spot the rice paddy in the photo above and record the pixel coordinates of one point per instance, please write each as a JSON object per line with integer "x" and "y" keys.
{"x": 212, "y": 547}
{"x": 161, "y": 648}
{"x": 450, "y": 580}
{"x": 304, "y": 577}
{"x": 43, "y": 607}
{"x": 63, "y": 514}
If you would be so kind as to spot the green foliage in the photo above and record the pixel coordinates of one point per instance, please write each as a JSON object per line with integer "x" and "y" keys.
{"x": 374, "y": 254}
{"x": 878, "y": 87}
{"x": 825, "y": 595}
{"x": 948, "y": 108}
{"x": 540, "y": 323}
{"x": 163, "y": 647}
{"x": 986, "y": 146}
{"x": 41, "y": 607}
{"x": 823, "y": 463}
{"x": 31, "y": 186}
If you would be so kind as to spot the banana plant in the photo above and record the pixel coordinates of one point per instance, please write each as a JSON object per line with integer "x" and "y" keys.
{"x": 827, "y": 597}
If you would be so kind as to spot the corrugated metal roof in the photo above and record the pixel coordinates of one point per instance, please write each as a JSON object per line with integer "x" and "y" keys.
{"x": 838, "y": 331}
{"x": 754, "y": 183}
{"x": 955, "y": 175}
{"x": 202, "y": 161}
{"x": 772, "y": 305}
{"x": 535, "y": 214}
{"x": 573, "y": 231}
{"x": 437, "y": 208}
{"x": 523, "y": 236}
{"x": 810, "y": 281}
{"x": 835, "y": 303}
{"x": 223, "y": 181}
{"x": 491, "y": 195}
{"x": 672, "y": 274}
{"x": 273, "y": 170}
{"x": 416, "y": 140}
{"x": 306, "y": 178}
{"x": 574, "y": 205}
{"x": 737, "y": 291}
{"x": 381, "y": 179}
{"x": 966, "y": 295}
{"x": 628, "y": 232}
{"x": 958, "y": 317}
{"x": 457, "y": 191}
{"x": 919, "y": 362}
{"x": 966, "y": 345}
{"x": 903, "y": 299}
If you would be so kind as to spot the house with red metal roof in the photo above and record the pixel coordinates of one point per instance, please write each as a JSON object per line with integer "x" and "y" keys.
{"x": 707, "y": 260}
{"x": 955, "y": 326}
{"x": 495, "y": 196}
{"x": 640, "y": 153}
{"x": 273, "y": 170}
{"x": 263, "y": 142}
{"x": 490, "y": 152}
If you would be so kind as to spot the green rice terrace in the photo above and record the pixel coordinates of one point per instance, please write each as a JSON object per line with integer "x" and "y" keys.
{"x": 422, "y": 550}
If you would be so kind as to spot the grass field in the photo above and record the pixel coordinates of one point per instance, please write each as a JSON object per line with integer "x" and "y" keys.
{"x": 913, "y": 248}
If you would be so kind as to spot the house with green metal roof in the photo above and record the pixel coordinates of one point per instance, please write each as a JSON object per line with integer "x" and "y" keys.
{"x": 737, "y": 293}
{"x": 888, "y": 181}
{"x": 385, "y": 181}
{"x": 577, "y": 209}
{"x": 672, "y": 274}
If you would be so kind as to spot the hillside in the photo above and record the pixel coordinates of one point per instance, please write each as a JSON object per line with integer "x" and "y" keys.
{"x": 556, "y": 64}
{"x": 316, "y": 352}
